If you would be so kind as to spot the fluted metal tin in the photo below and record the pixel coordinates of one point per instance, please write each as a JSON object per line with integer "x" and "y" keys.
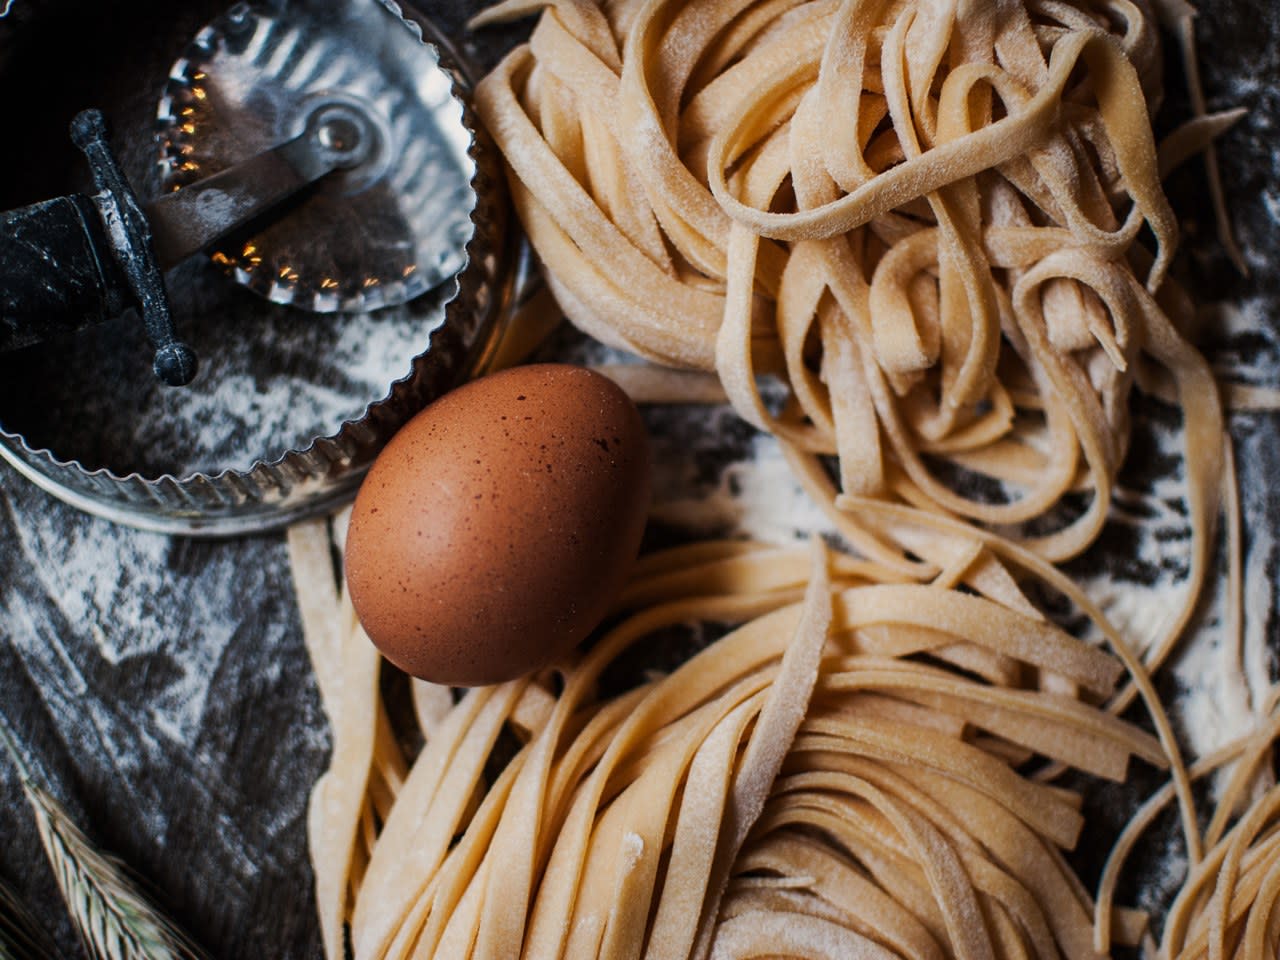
{"x": 271, "y": 493}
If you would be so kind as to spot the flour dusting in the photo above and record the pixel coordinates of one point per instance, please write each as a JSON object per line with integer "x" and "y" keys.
{"x": 758, "y": 498}
{"x": 271, "y": 379}
{"x": 1259, "y": 592}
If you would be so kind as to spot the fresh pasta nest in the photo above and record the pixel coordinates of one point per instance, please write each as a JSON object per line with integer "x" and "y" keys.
{"x": 920, "y": 215}
{"x": 1230, "y": 904}
{"x": 838, "y": 776}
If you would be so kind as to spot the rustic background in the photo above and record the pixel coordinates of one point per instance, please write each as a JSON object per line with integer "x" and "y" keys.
{"x": 160, "y": 685}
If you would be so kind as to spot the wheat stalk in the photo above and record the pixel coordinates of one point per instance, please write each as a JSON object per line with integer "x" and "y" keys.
{"x": 114, "y": 920}
{"x": 21, "y": 938}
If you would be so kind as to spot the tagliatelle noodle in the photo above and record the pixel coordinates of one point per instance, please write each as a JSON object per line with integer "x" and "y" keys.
{"x": 648, "y": 95}
{"x": 1179, "y": 16}
{"x": 350, "y": 801}
{"x": 932, "y": 535}
{"x": 921, "y": 216}
{"x": 821, "y": 750}
{"x": 1251, "y": 758}
{"x": 1139, "y": 677}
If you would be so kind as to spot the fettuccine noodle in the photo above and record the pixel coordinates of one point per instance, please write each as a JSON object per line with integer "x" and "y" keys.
{"x": 922, "y": 218}
{"x": 1229, "y": 902}
{"x": 920, "y": 215}
{"x": 834, "y": 777}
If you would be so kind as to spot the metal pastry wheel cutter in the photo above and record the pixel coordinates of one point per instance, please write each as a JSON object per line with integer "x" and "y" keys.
{"x": 199, "y": 176}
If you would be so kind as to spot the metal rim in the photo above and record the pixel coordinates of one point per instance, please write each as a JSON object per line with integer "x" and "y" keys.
{"x": 379, "y": 234}
{"x": 271, "y": 494}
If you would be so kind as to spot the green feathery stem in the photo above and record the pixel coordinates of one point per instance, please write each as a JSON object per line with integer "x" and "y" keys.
{"x": 114, "y": 920}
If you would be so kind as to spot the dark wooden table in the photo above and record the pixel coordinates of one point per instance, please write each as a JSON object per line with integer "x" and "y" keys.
{"x": 161, "y": 687}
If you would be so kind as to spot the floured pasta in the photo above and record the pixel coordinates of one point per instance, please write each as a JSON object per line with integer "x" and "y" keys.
{"x": 367, "y": 768}
{"x": 922, "y": 218}
{"x": 921, "y": 215}
{"x": 1229, "y": 903}
{"x": 834, "y": 777}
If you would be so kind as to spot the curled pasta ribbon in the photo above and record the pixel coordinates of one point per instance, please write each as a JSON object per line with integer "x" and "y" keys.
{"x": 838, "y": 775}
{"x": 1229, "y": 903}
{"x": 350, "y": 802}
{"x": 921, "y": 216}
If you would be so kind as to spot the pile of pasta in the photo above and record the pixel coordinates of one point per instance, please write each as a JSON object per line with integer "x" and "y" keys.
{"x": 922, "y": 219}
{"x": 843, "y": 774}
{"x": 1229, "y": 903}
{"x": 920, "y": 216}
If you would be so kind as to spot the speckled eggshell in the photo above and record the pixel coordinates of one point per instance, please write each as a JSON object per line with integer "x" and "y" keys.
{"x": 498, "y": 525}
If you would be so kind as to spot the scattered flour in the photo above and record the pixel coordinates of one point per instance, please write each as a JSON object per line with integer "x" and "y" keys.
{"x": 271, "y": 380}
{"x": 758, "y": 498}
{"x": 632, "y": 850}
{"x": 1259, "y": 592}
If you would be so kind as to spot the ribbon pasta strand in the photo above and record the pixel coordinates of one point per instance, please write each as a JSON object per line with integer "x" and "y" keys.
{"x": 821, "y": 779}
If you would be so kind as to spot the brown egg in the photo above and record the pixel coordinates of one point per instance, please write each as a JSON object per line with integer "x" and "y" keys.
{"x": 497, "y": 526}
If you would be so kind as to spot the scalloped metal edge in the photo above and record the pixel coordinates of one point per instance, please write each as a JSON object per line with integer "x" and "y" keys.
{"x": 271, "y": 494}
{"x": 176, "y": 170}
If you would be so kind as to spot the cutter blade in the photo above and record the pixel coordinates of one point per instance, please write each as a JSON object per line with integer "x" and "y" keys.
{"x": 373, "y": 236}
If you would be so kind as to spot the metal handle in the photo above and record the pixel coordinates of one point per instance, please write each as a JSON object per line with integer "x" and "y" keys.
{"x": 74, "y": 261}
{"x": 130, "y": 235}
